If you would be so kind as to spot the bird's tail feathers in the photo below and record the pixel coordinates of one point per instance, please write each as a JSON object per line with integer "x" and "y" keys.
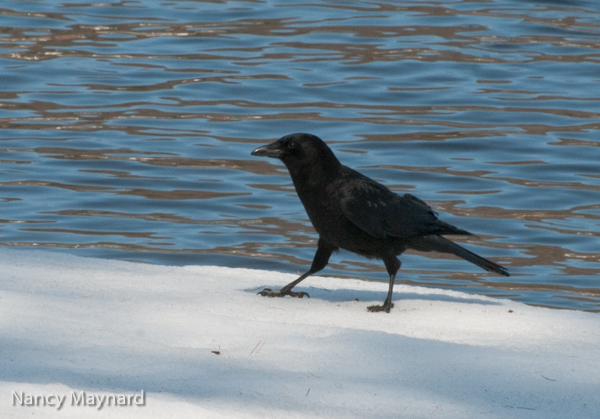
{"x": 450, "y": 229}
{"x": 442, "y": 244}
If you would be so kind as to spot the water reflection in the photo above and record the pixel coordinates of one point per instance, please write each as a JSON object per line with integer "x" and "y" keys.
{"x": 126, "y": 131}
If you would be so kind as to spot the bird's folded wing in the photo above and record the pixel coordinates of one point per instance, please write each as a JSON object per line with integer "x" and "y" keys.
{"x": 378, "y": 211}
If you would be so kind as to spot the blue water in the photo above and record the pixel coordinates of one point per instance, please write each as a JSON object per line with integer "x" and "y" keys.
{"x": 126, "y": 130}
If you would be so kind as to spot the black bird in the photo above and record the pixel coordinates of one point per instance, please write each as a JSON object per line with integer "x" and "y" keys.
{"x": 353, "y": 212}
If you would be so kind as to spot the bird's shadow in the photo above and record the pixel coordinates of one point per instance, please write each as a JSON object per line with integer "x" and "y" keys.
{"x": 344, "y": 295}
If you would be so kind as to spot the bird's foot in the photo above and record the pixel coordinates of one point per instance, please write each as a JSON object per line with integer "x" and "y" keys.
{"x": 376, "y": 309}
{"x": 268, "y": 292}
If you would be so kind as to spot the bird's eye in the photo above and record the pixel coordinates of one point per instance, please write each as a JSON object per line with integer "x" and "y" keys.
{"x": 291, "y": 145}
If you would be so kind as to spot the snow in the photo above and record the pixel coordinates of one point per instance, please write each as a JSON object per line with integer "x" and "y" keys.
{"x": 200, "y": 343}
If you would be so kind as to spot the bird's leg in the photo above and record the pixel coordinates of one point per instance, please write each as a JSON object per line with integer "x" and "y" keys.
{"x": 387, "y": 304}
{"x": 287, "y": 290}
{"x": 324, "y": 251}
{"x": 392, "y": 265}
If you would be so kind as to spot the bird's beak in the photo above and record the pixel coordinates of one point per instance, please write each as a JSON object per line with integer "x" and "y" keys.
{"x": 271, "y": 150}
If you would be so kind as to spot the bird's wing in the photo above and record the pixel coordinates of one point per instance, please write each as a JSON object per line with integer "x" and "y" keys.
{"x": 381, "y": 213}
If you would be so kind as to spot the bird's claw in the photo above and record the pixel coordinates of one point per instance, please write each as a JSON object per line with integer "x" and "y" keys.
{"x": 376, "y": 309}
{"x": 268, "y": 292}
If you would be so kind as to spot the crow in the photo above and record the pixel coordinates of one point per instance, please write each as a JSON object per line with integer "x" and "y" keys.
{"x": 353, "y": 212}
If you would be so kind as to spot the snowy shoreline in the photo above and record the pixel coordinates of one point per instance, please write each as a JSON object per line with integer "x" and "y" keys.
{"x": 199, "y": 342}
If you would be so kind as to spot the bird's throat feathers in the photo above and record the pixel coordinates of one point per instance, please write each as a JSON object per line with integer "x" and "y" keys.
{"x": 316, "y": 174}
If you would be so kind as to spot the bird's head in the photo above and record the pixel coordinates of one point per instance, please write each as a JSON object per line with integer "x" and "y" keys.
{"x": 298, "y": 150}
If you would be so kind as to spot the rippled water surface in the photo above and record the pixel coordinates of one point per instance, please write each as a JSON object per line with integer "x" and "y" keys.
{"x": 126, "y": 130}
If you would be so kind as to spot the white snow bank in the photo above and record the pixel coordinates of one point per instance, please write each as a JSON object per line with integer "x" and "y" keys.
{"x": 200, "y": 343}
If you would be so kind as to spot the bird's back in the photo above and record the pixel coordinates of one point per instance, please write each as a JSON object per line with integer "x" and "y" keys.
{"x": 356, "y": 213}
